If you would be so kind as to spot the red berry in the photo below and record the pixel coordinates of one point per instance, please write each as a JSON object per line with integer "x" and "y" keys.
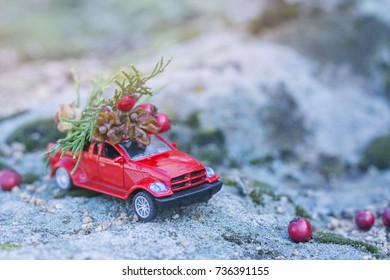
{"x": 364, "y": 219}
{"x": 150, "y": 108}
{"x": 163, "y": 122}
{"x": 299, "y": 229}
{"x": 9, "y": 179}
{"x": 386, "y": 217}
{"x": 127, "y": 103}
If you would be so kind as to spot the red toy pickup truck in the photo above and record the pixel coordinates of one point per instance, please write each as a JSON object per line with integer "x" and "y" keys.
{"x": 154, "y": 177}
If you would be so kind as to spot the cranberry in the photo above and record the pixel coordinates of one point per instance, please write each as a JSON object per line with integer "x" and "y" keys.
{"x": 163, "y": 122}
{"x": 150, "y": 108}
{"x": 299, "y": 229}
{"x": 386, "y": 217}
{"x": 127, "y": 103}
{"x": 364, "y": 219}
{"x": 9, "y": 178}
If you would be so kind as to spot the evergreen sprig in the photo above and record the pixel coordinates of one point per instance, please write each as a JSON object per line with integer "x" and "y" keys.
{"x": 82, "y": 131}
{"x": 134, "y": 83}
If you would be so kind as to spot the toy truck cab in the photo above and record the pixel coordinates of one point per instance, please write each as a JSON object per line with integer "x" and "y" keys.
{"x": 154, "y": 177}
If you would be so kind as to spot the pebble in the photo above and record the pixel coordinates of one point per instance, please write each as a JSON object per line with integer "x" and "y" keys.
{"x": 295, "y": 253}
{"x": 87, "y": 226}
{"x": 37, "y": 201}
{"x": 283, "y": 199}
{"x": 176, "y": 216}
{"x": 18, "y": 155}
{"x": 280, "y": 209}
{"x": 41, "y": 189}
{"x": 15, "y": 189}
{"x": 30, "y": 188}
{"x": 51, "y": 209}
{"x": 87, "y": 220}
{"x": 333, "y": 223}
{"x": 34, "y": 239}
{"x": 185, "y": 243}
{"x": 25, "y": 197}
{"x": 59, "y": 206}
{"x": 103, "y": 226}
{"x": 134, "y": 219}
{"x": 17, "y": 147}
{"x": 56, "y": 192}
{"x": 369, "y": 238}
{"x": 244, "y": 185}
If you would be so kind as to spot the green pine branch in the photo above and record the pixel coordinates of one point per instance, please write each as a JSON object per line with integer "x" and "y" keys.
{"x": 82, "y": 131}
{"x": 134, "y": 83}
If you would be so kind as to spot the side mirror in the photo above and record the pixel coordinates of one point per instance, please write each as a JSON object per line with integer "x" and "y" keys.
{"x": 119, "y": 159}
{"x": 174, "y": 144}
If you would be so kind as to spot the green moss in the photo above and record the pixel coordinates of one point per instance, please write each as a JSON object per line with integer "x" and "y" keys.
{"x": 3, "y": 166}
{"x": 330, "y": 166}
{"x": 377, "y": 153}
{"x": 193, "y": 120}
{"x": 9, "y": 247}
{"x": 17, "y": 114}
{"x": 262, "y": 161}
{"x": 211, "y": 155}
{"x": 260, "y": 189}
{"x": 283, "y": 122}
{"x": 300, "y": 212}
{"x": 278, "y": 12}
{"x": 29, "y": 178}
{"x": 240, "y": 239}
{"x": 387, "y": 81}
{"x": 234, "y": 163}
{"x": 77, "y": 192}
{"x": 332, "y": 238}
{"x": 208, "y": 145}
{"x": 35, "y": 135}
{"x": 209, "y": 136}
{"x": 226, "y": 179}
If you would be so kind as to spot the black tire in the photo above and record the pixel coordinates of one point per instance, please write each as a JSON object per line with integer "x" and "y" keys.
{"x": 63, "y": 179}
{"x": 144, "y": 206}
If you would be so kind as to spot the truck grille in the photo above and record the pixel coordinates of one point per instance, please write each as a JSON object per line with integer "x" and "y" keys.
{"x": 188, "y": 180}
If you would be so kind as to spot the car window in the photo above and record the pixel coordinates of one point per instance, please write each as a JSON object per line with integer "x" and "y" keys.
{"x": 110, "y": 151}
{"x": 96, "y": 149}
{"x": 136, "y": 151}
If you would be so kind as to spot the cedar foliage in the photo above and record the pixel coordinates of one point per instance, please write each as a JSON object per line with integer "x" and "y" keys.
{"x": 83, "y": 129}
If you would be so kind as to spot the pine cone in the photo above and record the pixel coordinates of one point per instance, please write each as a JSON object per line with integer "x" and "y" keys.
{"x": 141, "y": 122}
{"x": 108, "y": 127}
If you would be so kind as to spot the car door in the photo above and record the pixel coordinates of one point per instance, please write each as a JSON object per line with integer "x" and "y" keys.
{"x": 90, "y": 162}
{"x": 110, "y": 169}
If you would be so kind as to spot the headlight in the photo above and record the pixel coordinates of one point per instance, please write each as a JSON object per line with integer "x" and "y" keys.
{"x": 158, "y": 187}
{"x": 209, "y": 172}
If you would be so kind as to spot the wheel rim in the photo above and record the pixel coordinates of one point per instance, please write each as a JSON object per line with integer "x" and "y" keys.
{"x": 142, "y": 207}
{"x": 62, "y": 178}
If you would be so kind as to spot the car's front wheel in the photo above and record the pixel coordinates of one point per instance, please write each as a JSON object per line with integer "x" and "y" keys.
{"x": 62, "y": 178}
{"x": 144, "y": 206}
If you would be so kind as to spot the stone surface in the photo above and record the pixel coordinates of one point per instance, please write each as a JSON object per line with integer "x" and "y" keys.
{"x": 284, "y": 130}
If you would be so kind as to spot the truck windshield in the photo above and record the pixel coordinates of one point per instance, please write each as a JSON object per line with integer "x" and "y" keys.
{"x": 136, "y": 151}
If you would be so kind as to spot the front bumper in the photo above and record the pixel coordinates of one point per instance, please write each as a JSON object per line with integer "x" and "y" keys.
{"x": 199, "y": 193}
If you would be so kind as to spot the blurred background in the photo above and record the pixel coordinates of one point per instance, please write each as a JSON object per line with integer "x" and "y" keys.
{"x": 294, "y": 94}
{"x": 284, "y": 77}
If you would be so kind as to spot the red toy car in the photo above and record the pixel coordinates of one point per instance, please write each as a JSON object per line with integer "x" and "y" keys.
{"x": 157, "y": 176}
